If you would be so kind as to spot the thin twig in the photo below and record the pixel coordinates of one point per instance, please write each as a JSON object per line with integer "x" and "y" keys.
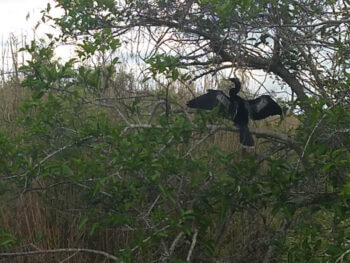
{"x": 277, "y": 136}
{"x": 211, "y": 132}
{"x": 146, "y": 239}
{"x": 50, "y": 155}
{"x": 47, "y": 157}
{"x": 313, "y": 131}
{"x": 69, "y": 257}
{"x": 152, "y": 206}
{"x": 59, "y": 250}
{"x": 193, "y": 244}
{"x": 173, "y": 245}
{"x": 269, "y": 256}
{"x": 341, "y": 258}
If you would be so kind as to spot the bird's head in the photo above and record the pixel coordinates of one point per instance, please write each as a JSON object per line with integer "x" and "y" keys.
{"x": 237, "y": 87}
{"x": 235, "y": 81}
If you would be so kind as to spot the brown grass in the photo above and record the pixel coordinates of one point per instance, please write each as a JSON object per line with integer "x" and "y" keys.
{"x": 10, "y": 100}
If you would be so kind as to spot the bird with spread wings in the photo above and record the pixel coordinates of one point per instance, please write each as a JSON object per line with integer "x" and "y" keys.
{"x": 237, "y": 109}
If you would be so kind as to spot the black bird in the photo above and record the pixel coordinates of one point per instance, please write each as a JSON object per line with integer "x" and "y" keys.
{"x": 237, "y": 109}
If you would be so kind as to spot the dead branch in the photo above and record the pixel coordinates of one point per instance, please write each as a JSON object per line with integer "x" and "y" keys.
{"x": 193, "y": 244}
{"x": 59, "y": 250}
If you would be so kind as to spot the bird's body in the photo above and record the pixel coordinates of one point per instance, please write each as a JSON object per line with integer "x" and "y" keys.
{"x": 237, "y": 109}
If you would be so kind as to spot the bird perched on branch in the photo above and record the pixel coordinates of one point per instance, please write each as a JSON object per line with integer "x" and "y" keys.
{"x": 237, "y": 109}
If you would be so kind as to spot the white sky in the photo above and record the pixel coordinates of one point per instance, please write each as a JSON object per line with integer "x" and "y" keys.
{"x": 13, "y": 19}
{"x": 20, "y": 18}
{"x": 13, "y": 16}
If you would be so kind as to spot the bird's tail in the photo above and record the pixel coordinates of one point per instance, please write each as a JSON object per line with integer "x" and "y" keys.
{"x": 245, "y": 136}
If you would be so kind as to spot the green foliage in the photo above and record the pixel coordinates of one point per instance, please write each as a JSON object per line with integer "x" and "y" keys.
{"x": 101, "y": 41}
{"x": 165, "y": 64}
{"x": 152, "y": 180}
{"x": 42, "y": 71}
{"x": 230, "y": 8}
{"x": 316, "y": 240}
{"x": 130, "y": 174}
{"x": 7, "y": 239}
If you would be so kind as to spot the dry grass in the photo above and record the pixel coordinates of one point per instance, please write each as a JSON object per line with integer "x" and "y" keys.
{"x": 11, "y": 97}
{"x": 52, "y": 225}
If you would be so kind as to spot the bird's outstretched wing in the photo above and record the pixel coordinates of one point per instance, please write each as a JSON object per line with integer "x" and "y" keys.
{"x": 211, "y": 100}
{"x": 262, "y": 107}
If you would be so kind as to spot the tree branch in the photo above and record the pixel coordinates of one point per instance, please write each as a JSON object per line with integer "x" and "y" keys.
{"x": 276, "y": 136}
{"x": 59, "y": 250}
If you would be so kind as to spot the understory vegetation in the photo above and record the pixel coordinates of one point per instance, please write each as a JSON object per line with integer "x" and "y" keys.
{"x": 98, "y": 164}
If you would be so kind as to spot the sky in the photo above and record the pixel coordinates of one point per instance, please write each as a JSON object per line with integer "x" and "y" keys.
{"x": 20, "y": 17}
{"x": 13, "y": 15}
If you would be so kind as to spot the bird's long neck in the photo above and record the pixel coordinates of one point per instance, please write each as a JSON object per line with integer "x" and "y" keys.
{"x": 237, "y": 86}
{"x": 235, "y": 90}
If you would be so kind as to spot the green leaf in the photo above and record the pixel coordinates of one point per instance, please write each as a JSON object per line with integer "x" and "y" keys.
{"x": 82, "y": 223}
{"x": 93, "y": 228}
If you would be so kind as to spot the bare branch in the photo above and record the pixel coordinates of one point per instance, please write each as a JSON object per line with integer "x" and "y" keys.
{"x": 211, "y": 132}
{"x": 49, "y": 156}
{"x": 341, "y": 258}
{"x": 173, "y": 245}
{"x": 193, "y": 244}
{"x": 280, "y": 137}
{"x": 59, "y": 250}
